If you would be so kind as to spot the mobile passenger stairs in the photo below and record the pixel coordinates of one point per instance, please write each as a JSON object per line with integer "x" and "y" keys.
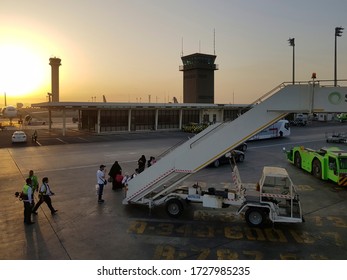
{"x": 160, "y": 183}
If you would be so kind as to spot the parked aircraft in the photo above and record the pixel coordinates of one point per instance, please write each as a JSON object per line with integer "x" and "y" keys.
{"x": 9, "y": 112}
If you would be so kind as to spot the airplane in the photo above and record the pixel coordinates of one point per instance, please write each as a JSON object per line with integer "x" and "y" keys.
{"x": 9, "y": 112}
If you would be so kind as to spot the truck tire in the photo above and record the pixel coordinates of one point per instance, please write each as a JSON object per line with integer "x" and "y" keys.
{"x": 216, "y": 163}
{"x": 174, "y": 207}
{"x": 255, "y": 217}
{"x": 243, "y": 147}
{"x": 297, "y": 160}
{"x": 241, "y": 158}
{"x": 317, "y": 169}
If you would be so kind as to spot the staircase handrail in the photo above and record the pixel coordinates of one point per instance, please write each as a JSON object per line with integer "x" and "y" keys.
{"x": 284, "y": 84}
{"x": 172, "y": 148}
{"x": 206, "y": 134}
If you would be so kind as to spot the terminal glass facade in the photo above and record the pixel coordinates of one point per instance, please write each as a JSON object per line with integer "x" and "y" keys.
{"x": 230, "y": 115}
{"x": 113, "y": 120}
{"x": 168, "y": 119}
{"x": 190, "y": 116}
{"x": 147, "y": 119}
{"x": 143, "y": 119}
{"x": 89, "y": 120}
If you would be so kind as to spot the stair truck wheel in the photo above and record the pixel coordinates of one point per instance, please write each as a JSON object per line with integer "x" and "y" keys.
{"x": 174, "y": 207}
{"x": 317, "y": 169}
{"x": 242, "y": 148}
{"x": 241, "y": 158}
{"x": 216, "y": 163}
{"x": 297, "y": 160}
{"x": 255, "y": 217}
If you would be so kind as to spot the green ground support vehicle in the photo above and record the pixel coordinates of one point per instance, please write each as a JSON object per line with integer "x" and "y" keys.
{"x": 325, "y": 163}
{"x": 194, "y": 127}
{"x": 341, "y": 117}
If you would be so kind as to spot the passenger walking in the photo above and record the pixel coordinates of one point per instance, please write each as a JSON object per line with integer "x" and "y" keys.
{"x": 151, "y": 161}
{"x": 127, "y": 178}
{"x": 34, "y": 184}
{"x": 101, "y": 181}
{"x": 34, "y": 136}
{"x": 27, "y": 201}
{"x": 115, "y": 173}
{"x": 45, "y": 194}
{"x": 141, "y": 164}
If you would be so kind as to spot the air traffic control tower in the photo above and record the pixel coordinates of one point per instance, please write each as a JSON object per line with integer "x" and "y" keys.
{"x": 198, "y": 78}
{"x": 55, "y": 63}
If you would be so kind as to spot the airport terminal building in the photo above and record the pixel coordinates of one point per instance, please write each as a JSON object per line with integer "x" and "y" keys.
{"x": 108, "y": 117}
{"x": 101, "y": 117}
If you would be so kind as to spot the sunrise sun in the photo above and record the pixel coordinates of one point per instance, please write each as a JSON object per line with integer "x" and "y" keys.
{"x": 22, "y": 69}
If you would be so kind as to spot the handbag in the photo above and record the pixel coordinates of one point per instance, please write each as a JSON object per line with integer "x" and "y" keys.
{"x": 110, "y": 179}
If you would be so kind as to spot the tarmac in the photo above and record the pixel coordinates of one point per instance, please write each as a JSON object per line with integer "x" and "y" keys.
{"x": 82, "y": 229}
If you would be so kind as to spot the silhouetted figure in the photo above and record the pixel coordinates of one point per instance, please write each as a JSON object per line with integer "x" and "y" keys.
{"x": 116, "y": 175}
{"x": 141, "y": 164}
{"x": 27, "y": 201}
{"x": 34, "y": 137}
{"x": 151, "y": 161}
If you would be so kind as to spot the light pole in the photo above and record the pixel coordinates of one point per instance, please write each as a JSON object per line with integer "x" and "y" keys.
{"x": 49, "y": 111}
{"x": 338, "y": 33}
{"x": 292, "y": 44}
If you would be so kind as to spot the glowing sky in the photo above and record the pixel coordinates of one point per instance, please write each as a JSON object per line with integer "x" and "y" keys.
{"x": 128, "y": 50}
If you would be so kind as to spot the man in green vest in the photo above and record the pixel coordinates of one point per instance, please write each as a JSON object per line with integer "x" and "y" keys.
{"x": 27, "y": 200}
{"x": 34, "y": 184}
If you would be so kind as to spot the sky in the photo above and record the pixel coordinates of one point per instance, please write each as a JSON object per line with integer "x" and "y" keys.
{"x": 130, "y": 50}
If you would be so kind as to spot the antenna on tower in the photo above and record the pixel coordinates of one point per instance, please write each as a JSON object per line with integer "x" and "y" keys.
{"x": 214, "y": 41}
{"x": 199, "y": 46}
{"x": 182, "y": 47}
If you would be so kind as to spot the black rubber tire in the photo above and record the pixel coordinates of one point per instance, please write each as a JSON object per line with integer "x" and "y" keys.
{"x": 216, "y": 163}
{"x": 243, "y": 147}
{"x": 241, "y": 158}
{"x": 255, "y": 217}
{"x": 174, "y": 207}
{"x": 317, "y": 169}
{"x": 297, "y": 159}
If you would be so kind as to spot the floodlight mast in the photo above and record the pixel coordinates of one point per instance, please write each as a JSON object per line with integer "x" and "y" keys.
{"x": 338, "y": 33}
{"x": 292, "y": 44}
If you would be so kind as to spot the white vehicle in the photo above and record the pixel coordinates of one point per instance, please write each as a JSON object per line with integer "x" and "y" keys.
{"x": 19, "y": 137}
{"x": 273, "y": 198}
{"x": 276, "y": 130}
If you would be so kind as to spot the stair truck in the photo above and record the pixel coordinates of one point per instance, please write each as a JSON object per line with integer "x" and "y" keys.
{"x": 325, "y": 163}
{"x": 273, "y": 198}
{"x": 161, "y": 184}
